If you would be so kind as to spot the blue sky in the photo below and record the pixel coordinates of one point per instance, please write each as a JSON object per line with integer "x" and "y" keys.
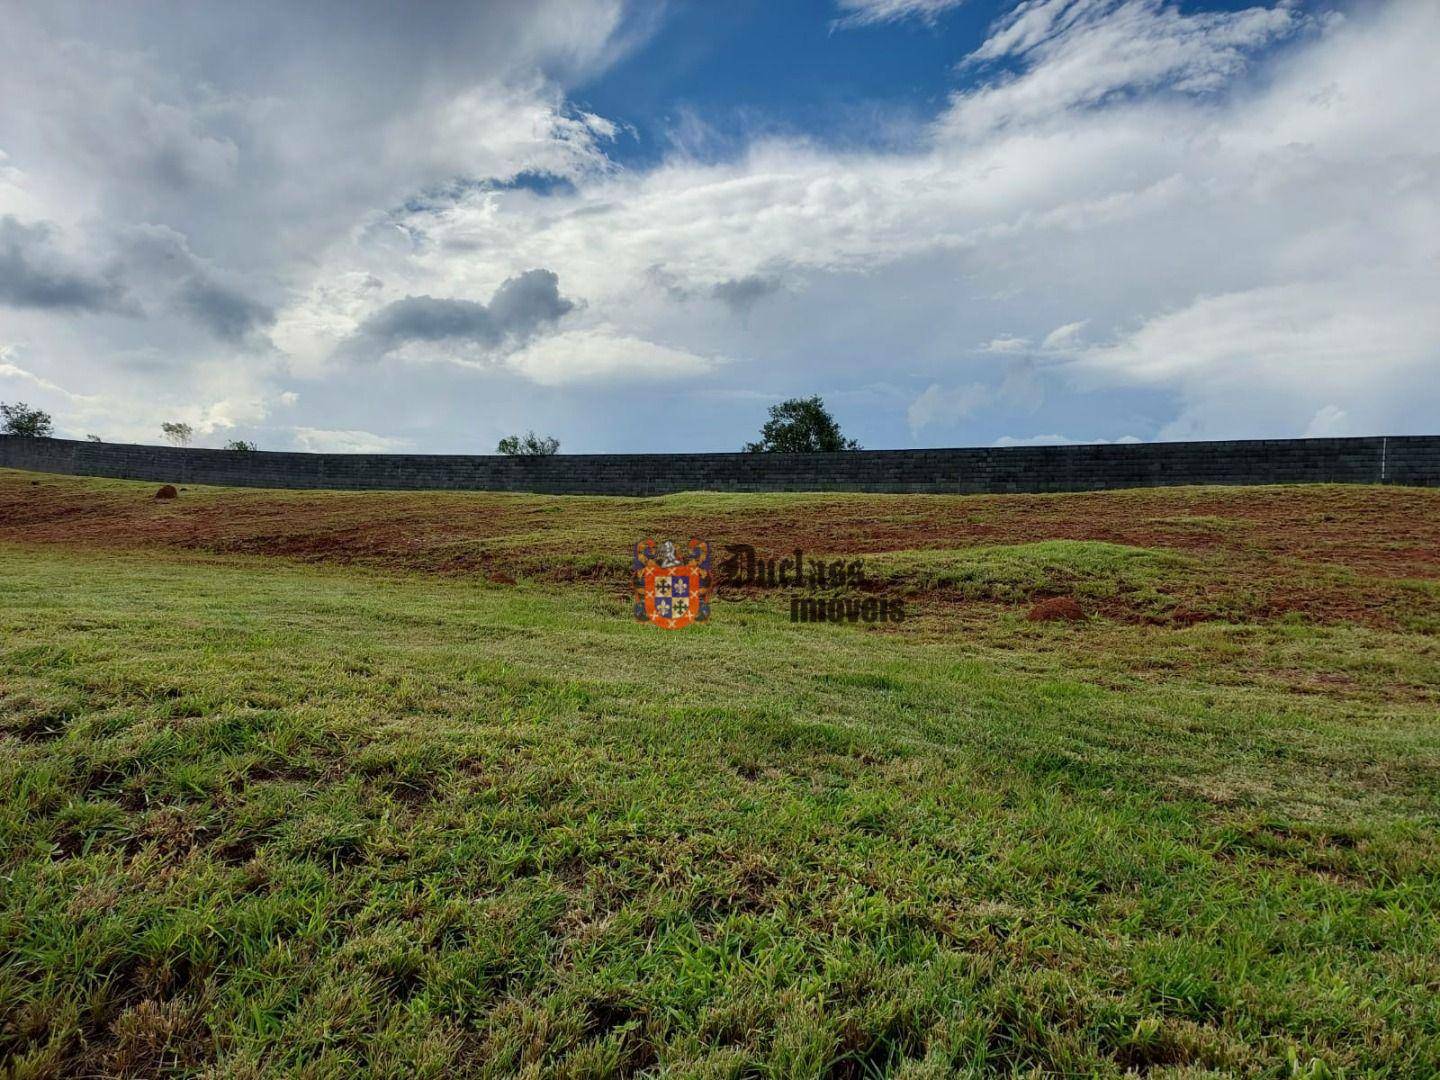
{"x": 782, "y": 67}
{"x": 635, "y": 226}
{"x": 749, "y": 67}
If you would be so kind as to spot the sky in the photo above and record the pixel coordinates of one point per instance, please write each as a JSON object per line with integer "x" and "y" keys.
{"x": 360, "y": 226}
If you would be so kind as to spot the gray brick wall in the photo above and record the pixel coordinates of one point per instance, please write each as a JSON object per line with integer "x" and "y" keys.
{"x": 1412, "y": 459}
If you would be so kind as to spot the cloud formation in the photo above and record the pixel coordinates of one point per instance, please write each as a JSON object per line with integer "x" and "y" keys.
{"x": 321, "y": 440}
{"x": 1078, "y": 53}
{"x": 159, "y": 266}
{"x": 1171, "y": 222}
{"x": 35, "y": 273}
{"x": 742, "y": 293}
{"x": 603, "y": 355}
{"x": 229, "y": 314}
{"x": 521, "y": 306}
{"x": 870, "y": 12}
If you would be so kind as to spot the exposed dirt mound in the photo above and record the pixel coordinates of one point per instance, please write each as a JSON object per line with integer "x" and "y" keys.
{"x": 1185, "y": 616}
{"x": 1057, "y": 609}
{"x": 167, "y": 492}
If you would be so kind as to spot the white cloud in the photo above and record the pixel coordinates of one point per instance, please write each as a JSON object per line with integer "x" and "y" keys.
{"x": 18, "y": 374}
{"x": 1329, "y": 420}
{"x": 221, "y": 416}
{"x": 1077, "y": 53}
{"x": 603, "y": 355}
{"x": 1064, "y": 337}
{"x": 939, "y": 405}
{"x": 131, "y": 416}
{"x": 1005, "y": 197}
{"x": 871, "y": 12}
{"x": 320, "y": 440}
{"x": 1283, "y": 355}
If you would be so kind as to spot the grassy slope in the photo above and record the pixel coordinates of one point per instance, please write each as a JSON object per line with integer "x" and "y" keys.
{"x": 269, "y": 815}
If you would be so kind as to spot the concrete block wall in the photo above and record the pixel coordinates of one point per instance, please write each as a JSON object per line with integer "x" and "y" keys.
{"x": 1412, "y": 459}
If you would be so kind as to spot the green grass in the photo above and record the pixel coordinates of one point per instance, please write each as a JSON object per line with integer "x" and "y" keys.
{"x": 265, "y": 818}
{"x": 1083, "y": 568}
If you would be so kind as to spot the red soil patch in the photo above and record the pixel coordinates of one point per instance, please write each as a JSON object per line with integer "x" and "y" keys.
{"x": 1057, "y": 609}
{"x": 1184, "y": 616}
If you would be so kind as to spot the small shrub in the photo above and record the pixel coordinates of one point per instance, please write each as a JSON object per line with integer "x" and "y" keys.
{"x": 528, "y": 445}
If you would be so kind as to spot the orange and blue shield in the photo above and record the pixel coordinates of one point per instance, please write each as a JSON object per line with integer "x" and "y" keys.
{"x": 672, "y": 584}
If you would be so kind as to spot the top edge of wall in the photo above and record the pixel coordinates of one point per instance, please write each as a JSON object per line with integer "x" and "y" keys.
{"x": 1382, "y": 459}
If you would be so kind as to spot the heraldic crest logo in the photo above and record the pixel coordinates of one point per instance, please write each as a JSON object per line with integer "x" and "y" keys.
{"x": 672, "y": 588}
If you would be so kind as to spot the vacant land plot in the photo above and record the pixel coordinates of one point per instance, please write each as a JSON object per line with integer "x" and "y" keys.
{"x": 368, "y": 784}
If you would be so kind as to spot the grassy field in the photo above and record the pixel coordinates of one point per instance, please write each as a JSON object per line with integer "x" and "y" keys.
{"x": 328, "y": 785}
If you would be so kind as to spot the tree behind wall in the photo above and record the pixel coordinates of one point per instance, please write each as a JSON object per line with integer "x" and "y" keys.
{"x": 800, "y": 426}
{"x": 177, "y": 433}
{"x": 21, "y": 419}
{"x": 528, "y": 445}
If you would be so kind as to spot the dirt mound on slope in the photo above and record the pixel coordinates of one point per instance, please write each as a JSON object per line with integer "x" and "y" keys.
{"x": 1057, "y": 609}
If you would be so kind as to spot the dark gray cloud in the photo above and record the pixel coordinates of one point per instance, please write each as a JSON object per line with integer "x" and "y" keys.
{"x": 228, "y": 313}
{"x": 520, "y": 307}
{"x": 159, "y": 264}
{"x": 429, "y": 318}
{"x": 740, "y": 294}
{"x": 35, "y": 274}
{"x": 523, "y": 304}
